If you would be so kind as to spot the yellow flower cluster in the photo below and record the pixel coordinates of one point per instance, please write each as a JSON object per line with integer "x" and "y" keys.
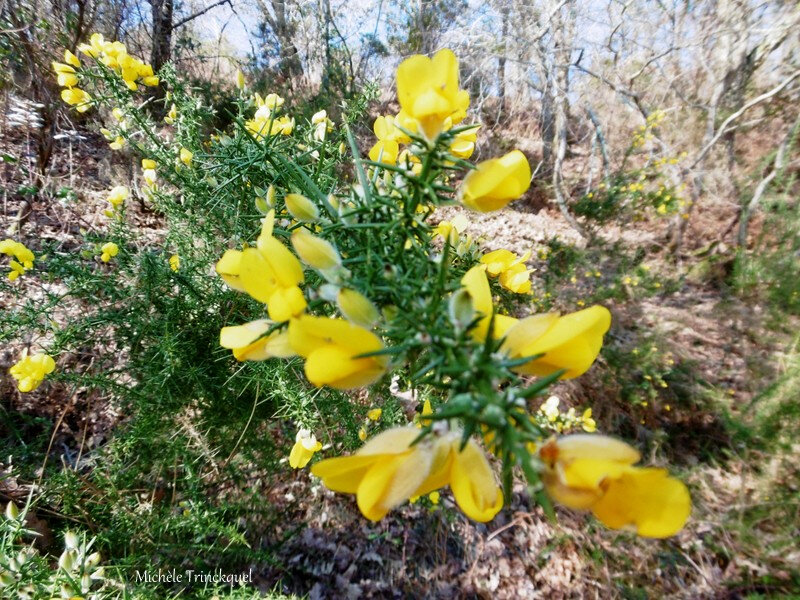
{"x": 595, "y": 472}
{"x": 431, "y": 102}
{"x": 554, "y": 419}
{"x": 509, "y": 269}
{"x": 643, "y": 133}
{"x": 67, "y": 77}
{"x": 114, "y": 55}
{"x": 271, "y": 274}
{"x": 22, "y": 257}
{"x": 30, "y": 371}
{"x": 388, "y": 470}
{"x": 266, "y": 122}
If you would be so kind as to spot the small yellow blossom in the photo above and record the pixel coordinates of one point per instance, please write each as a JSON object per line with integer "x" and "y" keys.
{"x": 362, "y": 434}
{"x": 357, "y": 308}
{"x": 305, "y": 446}
{"x": 108, "y": 251}
{"x": 30, "y": 371}
{"x": 186, "y": 156}
{"x": 434, "y": 498}
{"x": 175, "y": 262}
{"x": 375, "y": 414}
{"x": 23, "y": 257}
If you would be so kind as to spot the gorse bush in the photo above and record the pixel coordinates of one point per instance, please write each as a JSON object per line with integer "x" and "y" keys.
{"x": 287, "y": 251}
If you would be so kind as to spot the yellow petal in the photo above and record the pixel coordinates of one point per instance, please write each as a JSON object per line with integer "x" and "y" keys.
{"x": 238, "y": 336}
{"x": 473, "y": 484}
{"x": 283, "y": 264}
{"x": 572, "y": 342}
{"x": 344, "y": 473}
{"x": 496, "y": 182}
{"x": 256, "y": 275}
{"x": 334, "y": 366}
{"x": 285, "y": 303}
{"x": 647, "y": 501}
{"x": 584, "y": 445}
{"x": 390, "y": 481}
{"x": 478, "y": 286}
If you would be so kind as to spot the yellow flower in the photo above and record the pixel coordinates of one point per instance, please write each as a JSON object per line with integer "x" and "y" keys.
{"x": 428, "y": 91}
{"x": 108, "y": 251}
{"x": 464, "y": 143}
{"x": 510, "y": 268}
{"x": 496, "y": 182}
{"x": 78, "y": 98}
{"x": 550, "y": 408}
{"x": 171, "y": 115}
{"x": 434, "y": 497}
{"x": 387, "y": 147}
{"x": 150, "y": 177}
{"x": 450, "y": 230}
{"x": 30, "y": 371}
{"x": 175, "y": 262}
{"x": 248, "y": 341}
{"x": 357, "y": 308}
{"x": 271, "y": 274}
{"x": 305, "y": 446}
{"x": 71, "y": 59}
{"x": 388, "y": 470}
{"x": 362, "y": 434}
{"x": 595, "y": 472}
{"x": 375, "y": 414}
{"x": 516, "y": 279}
{"x": 24, "y": 257}
{"x": 118, "y": 196}
{"x": 67, "y": 80}
{"x": 118, "y": 143}
{"x": 589, "y": 425}
{"x": 240, "y": 82}
{"x": 570, "y": 342}
{"x": 331, "y": 348}
{"x": 301, "y": 208}
{"x": 316, "y": 252}
{"x": 477, "y": 285}
{"x": 148, "y": 163}
{"x": 186, "y": 156}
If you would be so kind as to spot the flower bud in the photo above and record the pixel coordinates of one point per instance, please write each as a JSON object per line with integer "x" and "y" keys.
{"x": 301, "y": 208}
{"x": 67, "y": 560}
{"x": 71, "y": 540}
{"x": 357, "y": 308}
{"x": 461, "y": 309}
{"x": 315, "y": 251}
{"x": 12, "y": 512}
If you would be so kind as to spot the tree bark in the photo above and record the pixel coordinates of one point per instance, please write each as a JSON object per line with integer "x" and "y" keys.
{"x": 162, "y": 33}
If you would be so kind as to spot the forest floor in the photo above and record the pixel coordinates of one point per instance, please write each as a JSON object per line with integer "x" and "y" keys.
{"x": 740, "y": 541}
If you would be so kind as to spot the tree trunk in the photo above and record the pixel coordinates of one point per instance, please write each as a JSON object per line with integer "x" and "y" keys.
{"x": 162, "y": 33}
